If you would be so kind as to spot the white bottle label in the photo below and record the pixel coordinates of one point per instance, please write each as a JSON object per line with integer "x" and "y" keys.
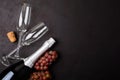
{"x": 8, "y": 76}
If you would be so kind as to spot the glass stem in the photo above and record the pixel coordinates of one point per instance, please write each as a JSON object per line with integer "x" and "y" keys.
{"x": 12, "y": 52}
{"x": 19, "y": 44}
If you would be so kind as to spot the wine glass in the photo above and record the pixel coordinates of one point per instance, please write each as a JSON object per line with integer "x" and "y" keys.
{"x": 28, "y": 38}
{"x": 24, "y": 21}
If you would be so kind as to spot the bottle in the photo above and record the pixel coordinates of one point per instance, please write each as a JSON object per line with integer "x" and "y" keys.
{"x": 22, "y": 69}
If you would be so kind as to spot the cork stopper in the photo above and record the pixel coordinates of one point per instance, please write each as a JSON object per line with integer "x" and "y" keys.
{"x": 11, "y": 36}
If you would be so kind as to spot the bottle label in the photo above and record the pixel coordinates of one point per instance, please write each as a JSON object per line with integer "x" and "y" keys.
{"x": 8, "y": 76}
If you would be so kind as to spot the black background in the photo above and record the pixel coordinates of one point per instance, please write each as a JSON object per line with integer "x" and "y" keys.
{"x": 87, "y": 34}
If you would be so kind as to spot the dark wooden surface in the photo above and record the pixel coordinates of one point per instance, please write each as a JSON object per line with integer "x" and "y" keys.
{"x": 87, "y": 34}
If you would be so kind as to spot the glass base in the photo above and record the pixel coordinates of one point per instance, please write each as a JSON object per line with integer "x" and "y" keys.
{"x": 4, "y": 60}
{"x": 7, "y": 61}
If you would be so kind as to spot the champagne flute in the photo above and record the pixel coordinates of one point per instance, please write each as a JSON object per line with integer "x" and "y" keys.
{"x": 24, "y": 21}
{"x": 28, "y": 38}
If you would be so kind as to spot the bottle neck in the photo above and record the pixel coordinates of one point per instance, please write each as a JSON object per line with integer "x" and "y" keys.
{"x": 32, "y": 59}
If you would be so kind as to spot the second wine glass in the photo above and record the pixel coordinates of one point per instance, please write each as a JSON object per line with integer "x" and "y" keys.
{"x": 28, "y": 38}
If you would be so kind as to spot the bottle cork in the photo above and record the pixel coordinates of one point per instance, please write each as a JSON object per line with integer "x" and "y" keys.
{"x": 11, "y": 36}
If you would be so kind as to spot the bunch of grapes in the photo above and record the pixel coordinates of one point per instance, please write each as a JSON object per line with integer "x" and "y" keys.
{"x": 42, "y": 65}
{"x": 41, "y": 75}
{"x": 46, "y": 60}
